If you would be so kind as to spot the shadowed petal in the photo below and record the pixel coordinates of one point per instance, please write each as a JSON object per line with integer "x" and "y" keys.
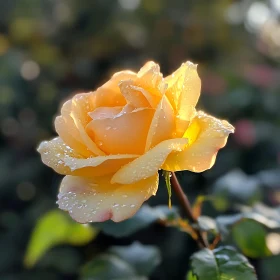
{"x": 97, "y": 200}
{"x": 206, "y": 136}
{"x": 124, "y": 133}
{"x": 148, "y": 164}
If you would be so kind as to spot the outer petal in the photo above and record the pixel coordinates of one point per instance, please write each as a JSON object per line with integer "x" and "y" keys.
{"x": 70, "y": 125}
{"x": 64, "y": 160}
{"x": 67, "y": 130}
{"x": 82, "y": 104}
{"x": 124, "y": 133}
{"x": 163, "y": 124}
{"x": 109, "y": 95}
{"x": 148, "y": 164}
{"x": 183, "y": 93}
{"x": 97, "y": 200}
{"x": 206, "y": 136}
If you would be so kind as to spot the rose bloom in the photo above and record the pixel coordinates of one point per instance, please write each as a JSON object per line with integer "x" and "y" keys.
{"x": 113, "y": 141}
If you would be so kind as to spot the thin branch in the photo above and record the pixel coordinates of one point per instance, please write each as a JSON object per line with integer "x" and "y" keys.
{"x": 185, "y": 203}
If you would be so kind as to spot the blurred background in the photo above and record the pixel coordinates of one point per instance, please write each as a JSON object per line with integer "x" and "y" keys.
{"x": 50, "y": 49}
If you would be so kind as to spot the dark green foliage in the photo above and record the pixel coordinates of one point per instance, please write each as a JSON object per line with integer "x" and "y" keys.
{"x": 224, "y": 263}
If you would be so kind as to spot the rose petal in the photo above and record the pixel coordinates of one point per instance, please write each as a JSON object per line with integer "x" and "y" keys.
{"x": 150, "y": 78}
{"x": 148, "y": 164}
{"x": 85, "y": 137}
{"x": 126, "y": 133}
{"x": 153, "y": 100}
{"x": 105, "y": 112}
{"x": 82, "y": 104}
{"x": 64, "y": 160}
{"x": 183, "y": 93}
{"x": 206, "y": 136}
{"x": 97, "y": 200}
{"x": 67, "y": 130}
{"x": 133, "y": 96}
{"x": 70, "y": 125}
{"x": 151, "y": 83}
{"x": 163, "y": 124}
{"x": 109, "y": 94}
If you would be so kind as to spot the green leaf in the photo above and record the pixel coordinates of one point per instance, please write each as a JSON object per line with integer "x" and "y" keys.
{"x": 52, "y": 229}
{"x": 268, "y": 217}
{"x": 191, "y": 276}
{"x": 223, "y": 263}
{"x": 142, "y": 258}
{"x": 143, "y": 218}
{"x": 79, "y": 235}
{"x": 107, "y": 267}
{"x": 250, "y": 237}
{"x": 167, "y": 175}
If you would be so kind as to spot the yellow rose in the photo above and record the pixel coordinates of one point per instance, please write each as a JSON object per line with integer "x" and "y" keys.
{"x": 113, "y": 141}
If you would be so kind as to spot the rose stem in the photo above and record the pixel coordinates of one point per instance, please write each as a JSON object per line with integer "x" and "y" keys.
{"x": 185, "y": 203}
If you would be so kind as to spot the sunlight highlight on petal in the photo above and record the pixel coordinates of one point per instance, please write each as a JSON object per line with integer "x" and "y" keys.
{"x": 207, "y": 135}
{"x": 148, "y": 164}
{"x": 183, "y": 92}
